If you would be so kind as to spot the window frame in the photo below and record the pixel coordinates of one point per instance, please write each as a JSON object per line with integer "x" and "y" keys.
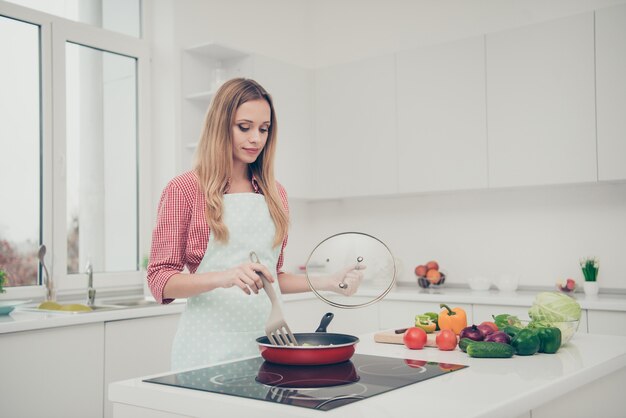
{"x": 55, "y": 33}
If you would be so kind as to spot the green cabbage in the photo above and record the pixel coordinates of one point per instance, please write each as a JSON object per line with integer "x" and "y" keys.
{"x": 554, "y": 307}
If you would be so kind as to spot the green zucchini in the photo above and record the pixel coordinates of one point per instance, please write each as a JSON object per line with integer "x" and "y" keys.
{"x": 484, "y": 349}
{"x": 464, "y": 343}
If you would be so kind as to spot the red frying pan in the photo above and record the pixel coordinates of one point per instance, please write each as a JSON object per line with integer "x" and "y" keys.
{"x": 316, "y": 348}
{"x": 280, "y": 375}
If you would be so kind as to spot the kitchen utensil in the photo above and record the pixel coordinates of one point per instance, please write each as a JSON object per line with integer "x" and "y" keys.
{"x": 276, "y": 327}
{"x": 316, "y": 348}
{"x": 50, "y": 291}
{"x": 339, "y": 251}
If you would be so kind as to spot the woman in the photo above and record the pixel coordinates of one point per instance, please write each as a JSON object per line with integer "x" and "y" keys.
{"x": 211, "y": 218}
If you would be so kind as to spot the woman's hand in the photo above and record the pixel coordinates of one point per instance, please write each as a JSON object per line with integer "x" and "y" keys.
{"x": 245, "y": 277}
{"x": 345, "y": 282}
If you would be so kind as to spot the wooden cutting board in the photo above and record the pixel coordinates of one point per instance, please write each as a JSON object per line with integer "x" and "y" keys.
{"x": 391, "y": 337}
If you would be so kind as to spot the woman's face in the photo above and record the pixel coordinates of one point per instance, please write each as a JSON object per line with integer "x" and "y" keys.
{"x": 250, "y": 130}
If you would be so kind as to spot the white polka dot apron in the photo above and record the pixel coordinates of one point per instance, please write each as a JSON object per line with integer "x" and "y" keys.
{"x": 223, "y": 324}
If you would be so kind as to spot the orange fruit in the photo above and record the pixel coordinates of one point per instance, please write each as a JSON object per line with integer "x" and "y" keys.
{"x": 432, "y": 265}
{"x": 420, "y": 271}
{"x": 433, "y": 276}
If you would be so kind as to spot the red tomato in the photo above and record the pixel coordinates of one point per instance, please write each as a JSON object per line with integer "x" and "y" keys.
{"x": 493, "y": 325}
{"x": 446, "y": 340}
{"x": 415, "y": 338}
{"x": 450, "y": 367}
{"x": 416, "y": 364}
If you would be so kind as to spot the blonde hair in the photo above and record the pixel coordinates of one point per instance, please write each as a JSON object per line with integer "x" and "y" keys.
{"x": 214, "y": 157}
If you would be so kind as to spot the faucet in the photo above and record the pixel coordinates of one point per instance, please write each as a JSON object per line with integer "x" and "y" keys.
{"x": 91, "y": 291}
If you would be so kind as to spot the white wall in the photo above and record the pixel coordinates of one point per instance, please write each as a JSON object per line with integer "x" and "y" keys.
{"x": 539, "y": 232}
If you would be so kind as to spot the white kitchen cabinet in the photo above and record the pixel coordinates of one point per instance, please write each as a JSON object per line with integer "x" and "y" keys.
{"x": 607, "y": 322}
{"x": 541, "y": 103}
{"x": 52, "y": 372}
{"x": 401, "y": 314}
{"x": 611, "y": 92}
{"x": 442, "y": 138}
{"x": 137, "y": 347}
{"x": 355, "y": 129}
{"x": 304, "y": 315}
{"x": 291, "y": 90}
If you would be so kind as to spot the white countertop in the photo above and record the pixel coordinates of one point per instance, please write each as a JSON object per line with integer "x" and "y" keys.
{"x": 22, "y": 320}
{"x": 487, "y": 388}
{"x": 413, "y": 293}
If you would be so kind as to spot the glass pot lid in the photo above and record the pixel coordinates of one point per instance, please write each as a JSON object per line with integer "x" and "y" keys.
{"x": 351, "y": 270}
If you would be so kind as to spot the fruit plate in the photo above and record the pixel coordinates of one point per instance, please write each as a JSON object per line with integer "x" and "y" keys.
{"x": 7, "y": 306}
{"x": 424, "y": 283}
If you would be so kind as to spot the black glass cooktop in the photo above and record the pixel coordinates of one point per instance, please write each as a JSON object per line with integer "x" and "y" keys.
{"x": 315, "y": 387}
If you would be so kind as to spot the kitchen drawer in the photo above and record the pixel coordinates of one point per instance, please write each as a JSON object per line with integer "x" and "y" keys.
{"x": 53, "y": 372}
{"x": 606, "y": 322}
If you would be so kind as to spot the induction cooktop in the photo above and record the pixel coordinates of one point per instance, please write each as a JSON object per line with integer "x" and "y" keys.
{"x": 316, "y": 387}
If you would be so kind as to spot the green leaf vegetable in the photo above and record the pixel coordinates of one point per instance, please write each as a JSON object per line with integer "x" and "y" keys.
{"x": 555, "y": 309}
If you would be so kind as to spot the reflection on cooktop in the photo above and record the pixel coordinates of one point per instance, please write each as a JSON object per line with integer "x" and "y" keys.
{"x": 316, "y": 387}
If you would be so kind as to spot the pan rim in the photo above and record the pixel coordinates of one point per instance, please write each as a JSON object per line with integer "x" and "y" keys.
{"x": 310, "y": 347}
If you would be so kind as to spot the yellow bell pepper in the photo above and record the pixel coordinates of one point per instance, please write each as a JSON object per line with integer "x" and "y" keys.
{"x": 452, "y": 319}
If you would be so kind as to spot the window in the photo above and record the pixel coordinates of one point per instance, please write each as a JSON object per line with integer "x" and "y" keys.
{"x": 19, "y": 151}
{"x": 71, "y": 178}
{"x": 123, "y": 16}
{"x": 101, "y": 198}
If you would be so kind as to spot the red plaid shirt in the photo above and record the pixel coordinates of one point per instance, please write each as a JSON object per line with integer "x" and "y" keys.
{"x": 181, "y": 234}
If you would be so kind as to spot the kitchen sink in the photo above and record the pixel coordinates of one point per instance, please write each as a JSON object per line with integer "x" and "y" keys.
{"x": 132, "y": 303}
{"x": 104, "y": 305}
{"x": 96, "y": 308}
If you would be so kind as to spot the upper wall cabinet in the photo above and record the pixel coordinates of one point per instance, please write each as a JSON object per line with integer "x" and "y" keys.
{"x": 541, "y": 103}
{"x": 442, "y": 141}
{"x": 205, "y": 67}
{"x": 611, "y": 92}
{"x": 355, "y": 129}
{"x": 291, "y": 89}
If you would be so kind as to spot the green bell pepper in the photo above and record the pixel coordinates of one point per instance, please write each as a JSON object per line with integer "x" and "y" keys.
{"x": 526, "y": 342}
{"x": 550, "y": 339}
{"x": 511, "y": 330}
{"x": 424, "y": 322}
{"x": 433, "y": 317}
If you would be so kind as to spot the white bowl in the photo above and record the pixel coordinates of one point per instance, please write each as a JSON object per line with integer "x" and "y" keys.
{"x": 479, "y": 283}
{"x": 507, "y": 283}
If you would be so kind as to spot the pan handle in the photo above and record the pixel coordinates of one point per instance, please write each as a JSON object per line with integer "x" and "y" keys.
{"x": 325, "y": 321}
